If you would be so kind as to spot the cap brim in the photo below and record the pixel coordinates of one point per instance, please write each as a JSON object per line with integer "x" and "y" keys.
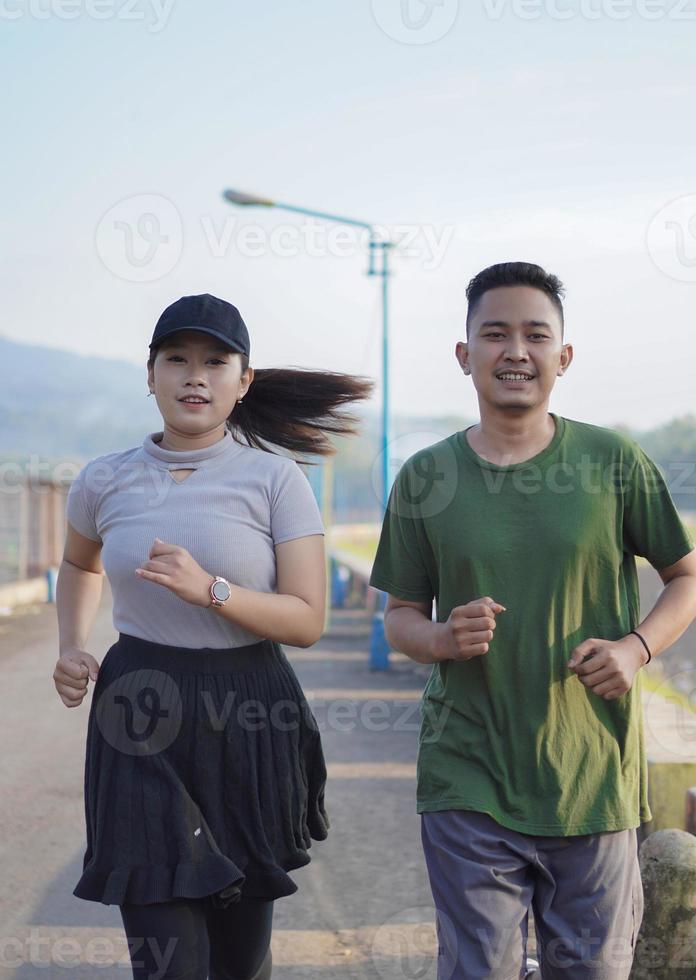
{"x": 213, "y": 333}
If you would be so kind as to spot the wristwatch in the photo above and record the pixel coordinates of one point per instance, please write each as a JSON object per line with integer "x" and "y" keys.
{"x": 220, "y": 591}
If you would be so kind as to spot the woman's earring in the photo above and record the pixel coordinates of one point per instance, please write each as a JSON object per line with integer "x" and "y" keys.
{"x": 150, "y": 393}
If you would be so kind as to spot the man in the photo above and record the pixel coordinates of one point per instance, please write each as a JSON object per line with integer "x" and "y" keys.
{"x": 532, "y": 776}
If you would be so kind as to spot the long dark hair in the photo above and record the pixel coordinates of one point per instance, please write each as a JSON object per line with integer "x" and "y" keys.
{"x": 295, "y": 408}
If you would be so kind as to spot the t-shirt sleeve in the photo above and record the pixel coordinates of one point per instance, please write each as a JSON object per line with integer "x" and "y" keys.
{"x": 80, "y": 507}
{"x": 399, "y": 567}
{"x": 652, "y": 525}
{"x": 294, "y": 509}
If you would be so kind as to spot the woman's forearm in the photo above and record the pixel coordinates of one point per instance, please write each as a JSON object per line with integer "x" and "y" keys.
{"x": 283, "y": 618}
{"x": 78, "y": 593}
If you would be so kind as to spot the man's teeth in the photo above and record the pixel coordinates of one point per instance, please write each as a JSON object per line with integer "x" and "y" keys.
{"x": 514, "y": 377}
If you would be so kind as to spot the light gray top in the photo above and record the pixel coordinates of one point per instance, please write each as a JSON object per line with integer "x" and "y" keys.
{"x": 228, "y": 514}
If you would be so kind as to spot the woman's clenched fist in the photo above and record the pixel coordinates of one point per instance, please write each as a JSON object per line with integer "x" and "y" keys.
{"x": 73, "y": 670}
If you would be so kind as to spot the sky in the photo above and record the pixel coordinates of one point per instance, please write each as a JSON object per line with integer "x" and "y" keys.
{"x": 553, "y": 131}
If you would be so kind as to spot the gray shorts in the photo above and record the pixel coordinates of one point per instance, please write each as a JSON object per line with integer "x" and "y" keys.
{"x": 585, "y": 892}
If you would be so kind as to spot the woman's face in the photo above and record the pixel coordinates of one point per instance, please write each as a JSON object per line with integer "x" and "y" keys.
{"x": 191, "y": 363}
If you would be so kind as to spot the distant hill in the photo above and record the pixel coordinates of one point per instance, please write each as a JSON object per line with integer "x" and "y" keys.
{"x": 62, "y": 405}
{"x": 58, "y": 405}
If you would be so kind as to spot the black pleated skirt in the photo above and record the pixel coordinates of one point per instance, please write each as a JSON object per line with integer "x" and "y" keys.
{"x": 204, "y": 775}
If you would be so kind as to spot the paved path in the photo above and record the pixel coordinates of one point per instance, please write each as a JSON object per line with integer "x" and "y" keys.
{"x": 363, "y": 910}
{"x": 363, "y": 903}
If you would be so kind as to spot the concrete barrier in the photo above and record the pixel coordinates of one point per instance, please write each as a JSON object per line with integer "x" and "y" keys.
{"x": 24, "y": 593}
{"x": 670, "y": 744}
{"x": 668, "y": 782}
{"x": 354, "y": 587}
{"x": 691, "y": 810}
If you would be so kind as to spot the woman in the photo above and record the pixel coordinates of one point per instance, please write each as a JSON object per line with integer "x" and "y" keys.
{"x": 204, "y": 772}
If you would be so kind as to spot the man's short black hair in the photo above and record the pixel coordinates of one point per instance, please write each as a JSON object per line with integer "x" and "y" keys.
{"x": 514, "y": 274}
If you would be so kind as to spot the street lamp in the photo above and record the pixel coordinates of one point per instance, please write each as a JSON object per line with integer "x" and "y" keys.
{"x": 378, "y": 246}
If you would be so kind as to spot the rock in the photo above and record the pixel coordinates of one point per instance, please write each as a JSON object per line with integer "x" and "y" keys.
{"x": 666, "y": 947}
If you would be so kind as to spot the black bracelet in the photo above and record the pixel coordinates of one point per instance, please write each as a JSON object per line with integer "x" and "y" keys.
{"x": 645, "y": 645}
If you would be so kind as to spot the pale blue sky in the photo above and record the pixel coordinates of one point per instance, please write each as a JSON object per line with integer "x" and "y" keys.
{"x": 556, "y": 141}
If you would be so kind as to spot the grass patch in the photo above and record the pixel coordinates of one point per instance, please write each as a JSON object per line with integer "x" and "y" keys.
{"x": 367, "y": 548}
{"x": 653, "y": 683}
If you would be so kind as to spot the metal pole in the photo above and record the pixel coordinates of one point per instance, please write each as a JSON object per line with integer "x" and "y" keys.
{"x": 246, "y": 200}
{"x": 23, "y": 531}
{"x": 327, "y": 518}
{"x": 385, "y": 436}
{"x": 379, "y": 647}
{"x": 385, "y": 378}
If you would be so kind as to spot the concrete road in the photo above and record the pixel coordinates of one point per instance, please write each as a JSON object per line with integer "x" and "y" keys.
{"x": 363, "y": 910}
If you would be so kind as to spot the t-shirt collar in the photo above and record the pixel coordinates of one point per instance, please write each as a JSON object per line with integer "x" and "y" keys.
{"x": 534, "y": 460}
{"x": 184, "y": 456}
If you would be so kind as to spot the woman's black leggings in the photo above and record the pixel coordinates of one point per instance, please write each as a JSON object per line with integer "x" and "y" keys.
{"x": 188, "y": 939}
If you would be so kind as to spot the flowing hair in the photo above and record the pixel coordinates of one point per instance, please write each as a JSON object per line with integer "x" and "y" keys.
{"x": 295, "y": 409}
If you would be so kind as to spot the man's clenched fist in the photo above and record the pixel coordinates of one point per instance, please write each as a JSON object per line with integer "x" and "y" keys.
{"x": 468, "y": 630}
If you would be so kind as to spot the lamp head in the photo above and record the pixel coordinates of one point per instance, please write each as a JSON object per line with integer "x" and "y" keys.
{"x": 239, "y": 197}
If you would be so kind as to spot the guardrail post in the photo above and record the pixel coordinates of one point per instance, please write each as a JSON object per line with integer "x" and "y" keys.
{"x": 339, "y": 584}
{"x": 51, "y": 582}
{"x": 690, "y": 823}
{"x": 379, "y": 647}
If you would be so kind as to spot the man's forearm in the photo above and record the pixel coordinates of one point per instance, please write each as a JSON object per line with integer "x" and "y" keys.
{"x": 673, "y": 612}
{"x": 78, "y": 594}
{"x": 412, "y": 633}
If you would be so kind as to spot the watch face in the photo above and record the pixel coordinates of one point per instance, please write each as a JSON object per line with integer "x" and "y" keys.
{"x": 221, "y": 590}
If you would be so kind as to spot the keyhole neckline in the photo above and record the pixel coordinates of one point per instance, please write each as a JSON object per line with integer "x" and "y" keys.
{"x": 187, "y": 458}
{"x": 190, "y": 471}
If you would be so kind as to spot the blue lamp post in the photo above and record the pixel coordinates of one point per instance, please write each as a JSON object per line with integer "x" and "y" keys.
{"x": 378, "y": 266}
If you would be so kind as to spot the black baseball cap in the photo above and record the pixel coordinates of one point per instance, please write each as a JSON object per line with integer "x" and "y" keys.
{"x": 209, "y": 315}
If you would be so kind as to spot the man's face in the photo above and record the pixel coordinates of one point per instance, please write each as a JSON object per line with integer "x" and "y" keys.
{"x": 514, "y": 330}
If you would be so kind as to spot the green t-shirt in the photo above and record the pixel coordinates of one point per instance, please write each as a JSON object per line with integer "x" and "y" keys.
{"x": 514, "y": 733}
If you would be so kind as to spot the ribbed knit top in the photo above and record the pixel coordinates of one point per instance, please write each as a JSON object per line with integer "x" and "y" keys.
{"x": 229, "y": 514}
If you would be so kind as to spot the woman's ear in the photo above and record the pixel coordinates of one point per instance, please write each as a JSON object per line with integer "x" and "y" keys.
{"x": 247, "y": 379}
